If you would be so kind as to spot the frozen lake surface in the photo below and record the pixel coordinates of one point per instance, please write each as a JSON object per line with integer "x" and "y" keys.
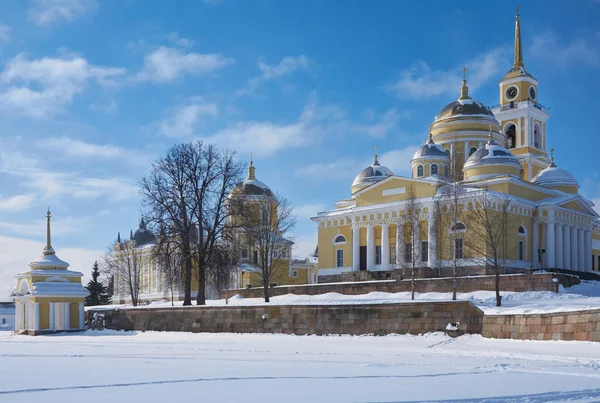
{"x": 116, "y": 367}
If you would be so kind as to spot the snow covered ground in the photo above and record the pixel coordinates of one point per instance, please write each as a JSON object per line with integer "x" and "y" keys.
{"x": 583, "y": 296}
{"x": 116, "y": 367}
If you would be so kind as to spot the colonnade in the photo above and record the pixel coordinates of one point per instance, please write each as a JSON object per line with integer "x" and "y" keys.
{"x": 59, "y": 316}
{"x": 566, "y": 246}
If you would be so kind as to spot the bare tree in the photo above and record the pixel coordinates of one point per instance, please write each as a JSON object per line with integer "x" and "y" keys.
{"x": 169, "y": 259}
{"x": 488, "y": 226}
{"x": 411, "y": 248}
{"x": 169, "y": 204}
{"x": 123, "y": 262}
{"x": 265, "y": 224}
{"x": 222, "y": 268}
{"x": 212, "y": 174}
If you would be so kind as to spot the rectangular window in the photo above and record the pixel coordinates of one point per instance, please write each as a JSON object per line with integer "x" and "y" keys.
{"x": 295, "y": 274}
{"x": 408, "y": 252}
{"x": 458, "y": 248}
{"x": 392, "y": 253}
{"x": 340, "y": 258}
{"x": 378, "y": 254}
{"x": 521, "y": 250}
{"x": 424, "y": 251}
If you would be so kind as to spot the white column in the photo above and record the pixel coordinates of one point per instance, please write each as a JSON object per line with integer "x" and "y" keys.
{"x": 81, "y": 316}
{"x": 550, "y": 262}
{"x": 431, "y": 240}
{"x": 574, "y": 254}
{"x": 18, "y": 314}
{"x": 567, "y": 247}
{"x": 370, "y": 247}
{"x": 36, "y": 316}
{"x": 399, "y": 243}
{"x": 356, "y": 249}
{"x": 534, "y": 246}
{"x": 67, "y": 316}
{"x": 588, "y": 250}
{"x": 385, "y": 246}
{"x": 51, "y": 315}
{"x": 581, "y": 249}
{"x": 558, "y": 246}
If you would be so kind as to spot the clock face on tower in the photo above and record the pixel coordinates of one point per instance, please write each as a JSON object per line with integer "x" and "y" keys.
{"x": 532, "y": 93}
{"x": 511, "y": 93}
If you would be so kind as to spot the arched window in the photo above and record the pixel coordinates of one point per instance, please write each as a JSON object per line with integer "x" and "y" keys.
{"x": 339, "y": 239}
{"x": 420, "y": 171}
{"x": 472, "y": 150}
{"x": 511, "y": 136}
{"x": 434, "y": 169}
{"x": 446, "y": 173}
{"x": 521, "y": 230}
{"x": 458, "y": 227}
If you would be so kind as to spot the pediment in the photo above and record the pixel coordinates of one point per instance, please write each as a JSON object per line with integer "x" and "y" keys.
{"x": 578, "y": 204}
{"x": 395, "y": 188}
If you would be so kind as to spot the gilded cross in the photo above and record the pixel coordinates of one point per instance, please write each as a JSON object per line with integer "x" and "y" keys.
{"x": 376, "y": 150}
{"x": 464, "y": 70}
{"x": 552, "y": 154}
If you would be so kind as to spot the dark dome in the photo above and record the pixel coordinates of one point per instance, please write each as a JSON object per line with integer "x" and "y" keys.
{"x": 253, "y": 188}
{"x": 464, "y": 107}
{"x": 430, "y": 149}
{"x": 143, "y": 236}
{"x": 491, "y": 153}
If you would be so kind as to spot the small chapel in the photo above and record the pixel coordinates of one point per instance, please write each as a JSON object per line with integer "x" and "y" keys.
{"x": 501, "y": 153}
{"x": 49, "y": 298}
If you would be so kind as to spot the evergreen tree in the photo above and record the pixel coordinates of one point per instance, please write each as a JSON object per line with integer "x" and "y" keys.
{"x": 97, "y": 290}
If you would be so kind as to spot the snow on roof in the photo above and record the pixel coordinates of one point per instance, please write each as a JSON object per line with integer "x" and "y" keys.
{"x": 48, "y": 261}
{"x": 59, "y": 288}
{"x": 59, "y": 273}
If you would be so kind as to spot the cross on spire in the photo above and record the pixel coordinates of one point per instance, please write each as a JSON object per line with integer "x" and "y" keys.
{"x": 464, "y": 90}
{"x": 48, "y": 250}
{"x": 464, "y": 70}
{"x": 375, "y": 160}
{"x": 552, "y": 157}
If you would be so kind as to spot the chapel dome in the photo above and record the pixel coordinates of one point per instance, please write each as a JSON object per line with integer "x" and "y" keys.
{"x": 371, "y": 174}
{"x": 430, "y": 149}
{"x": 492, "y": 159}
{"x": 251, "y": 186}
{"x": 142, "y": 235}
{"x": 465, "y": 108}
{"x": 555, "y": 177}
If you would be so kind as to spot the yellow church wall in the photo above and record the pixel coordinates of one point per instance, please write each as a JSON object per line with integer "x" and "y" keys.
{"x": 491, "y": 170}
{"x": 375, "y": 195}
{"x": 573, "y": 205}
{"x": 280, "y": 276}
{"x": 36, "y": 279}
{"x": 327, "y": 248}
{"x": 566, "y": 189}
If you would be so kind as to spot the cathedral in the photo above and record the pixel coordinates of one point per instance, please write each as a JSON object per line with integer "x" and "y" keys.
{"x": 501, "y": 151}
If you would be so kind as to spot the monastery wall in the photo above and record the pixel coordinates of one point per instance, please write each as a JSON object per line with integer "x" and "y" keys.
{"x": 580, "y": 325}
{"x": 377, "y": 319}
{"x": 511, "y": 282}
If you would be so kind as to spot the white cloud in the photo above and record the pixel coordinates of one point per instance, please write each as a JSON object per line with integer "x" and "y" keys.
{"x": 168, "y": 64}
{"x": 47, "y": 12}
{"x": 180, "y": 41}
{"x": 380, "y": 127}
{"x": 304, "y": 245}
{"x": 421, "y": 81}
{"x": 16, "y": 253}
{"x": 4, "y": 33}
{"x": 16, "y": 203}
{"x": 42, "y": 87}
{"x": 286, "y": 66}
{"x": 399, "y": 160}
{"x": 74, "y": 148}
{"x": 548, "y": 47}
{"x": 109, "y": 108}
{"x": 186, "y": 118}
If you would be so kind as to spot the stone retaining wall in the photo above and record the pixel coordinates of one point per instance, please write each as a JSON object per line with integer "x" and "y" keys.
{"x": 579, "y": 325}
{"x": 513, "y": 282}
{"x": 378, "y": 319}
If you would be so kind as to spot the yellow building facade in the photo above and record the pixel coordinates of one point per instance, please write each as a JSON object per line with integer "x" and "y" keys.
{"x": 471, "y": 150}
{"x": 49, "y": 298}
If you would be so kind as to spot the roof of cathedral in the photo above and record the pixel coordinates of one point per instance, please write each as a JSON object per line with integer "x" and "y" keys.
{"x": 491, "y": 153}
{"x": 251, "y": 186}
{"x": 430, "y": 149}
{"x": 554, "y": 176}
{"x": 371, "y": 174}
{"x": 142, "y": 235}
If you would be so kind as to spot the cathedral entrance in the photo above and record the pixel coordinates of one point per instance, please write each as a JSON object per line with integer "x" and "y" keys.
{"x": 363, "y": 258}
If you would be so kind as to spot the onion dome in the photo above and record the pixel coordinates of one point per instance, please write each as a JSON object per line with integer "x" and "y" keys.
{"x": 251, "y": 186}
{"x": 371, "y": 174}
{"x": 143, "y": 236}
{"x": 556, "y": 178}
{"x": 490, "y": 160}
{"x": 430, "y": 159}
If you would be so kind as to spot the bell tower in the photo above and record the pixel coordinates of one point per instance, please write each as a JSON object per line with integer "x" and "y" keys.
{"x": 522, "y": 118}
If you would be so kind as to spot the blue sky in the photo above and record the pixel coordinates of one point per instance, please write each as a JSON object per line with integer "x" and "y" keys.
{"x": 91, "y": 92}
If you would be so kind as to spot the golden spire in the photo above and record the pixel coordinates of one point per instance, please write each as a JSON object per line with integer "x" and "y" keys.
{"x": 48, "y": 249}
{"x": 464, "y": 90}
{"x": 375, "y": 160}
{"x": 518, "y": 50}
{"x": 251, "y": 170}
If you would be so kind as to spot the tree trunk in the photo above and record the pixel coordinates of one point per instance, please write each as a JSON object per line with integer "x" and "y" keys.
{"x": 187, "y": 289}
{"x": 266, "y": 290}
{"x": 498, "y": 297}
{"x": 201, "y": 298}
{"x": 412, "y": 282}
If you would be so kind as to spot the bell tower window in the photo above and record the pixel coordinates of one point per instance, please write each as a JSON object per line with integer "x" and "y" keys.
{"x": 537, "y": 137}
{"x": 511, "y": 136}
